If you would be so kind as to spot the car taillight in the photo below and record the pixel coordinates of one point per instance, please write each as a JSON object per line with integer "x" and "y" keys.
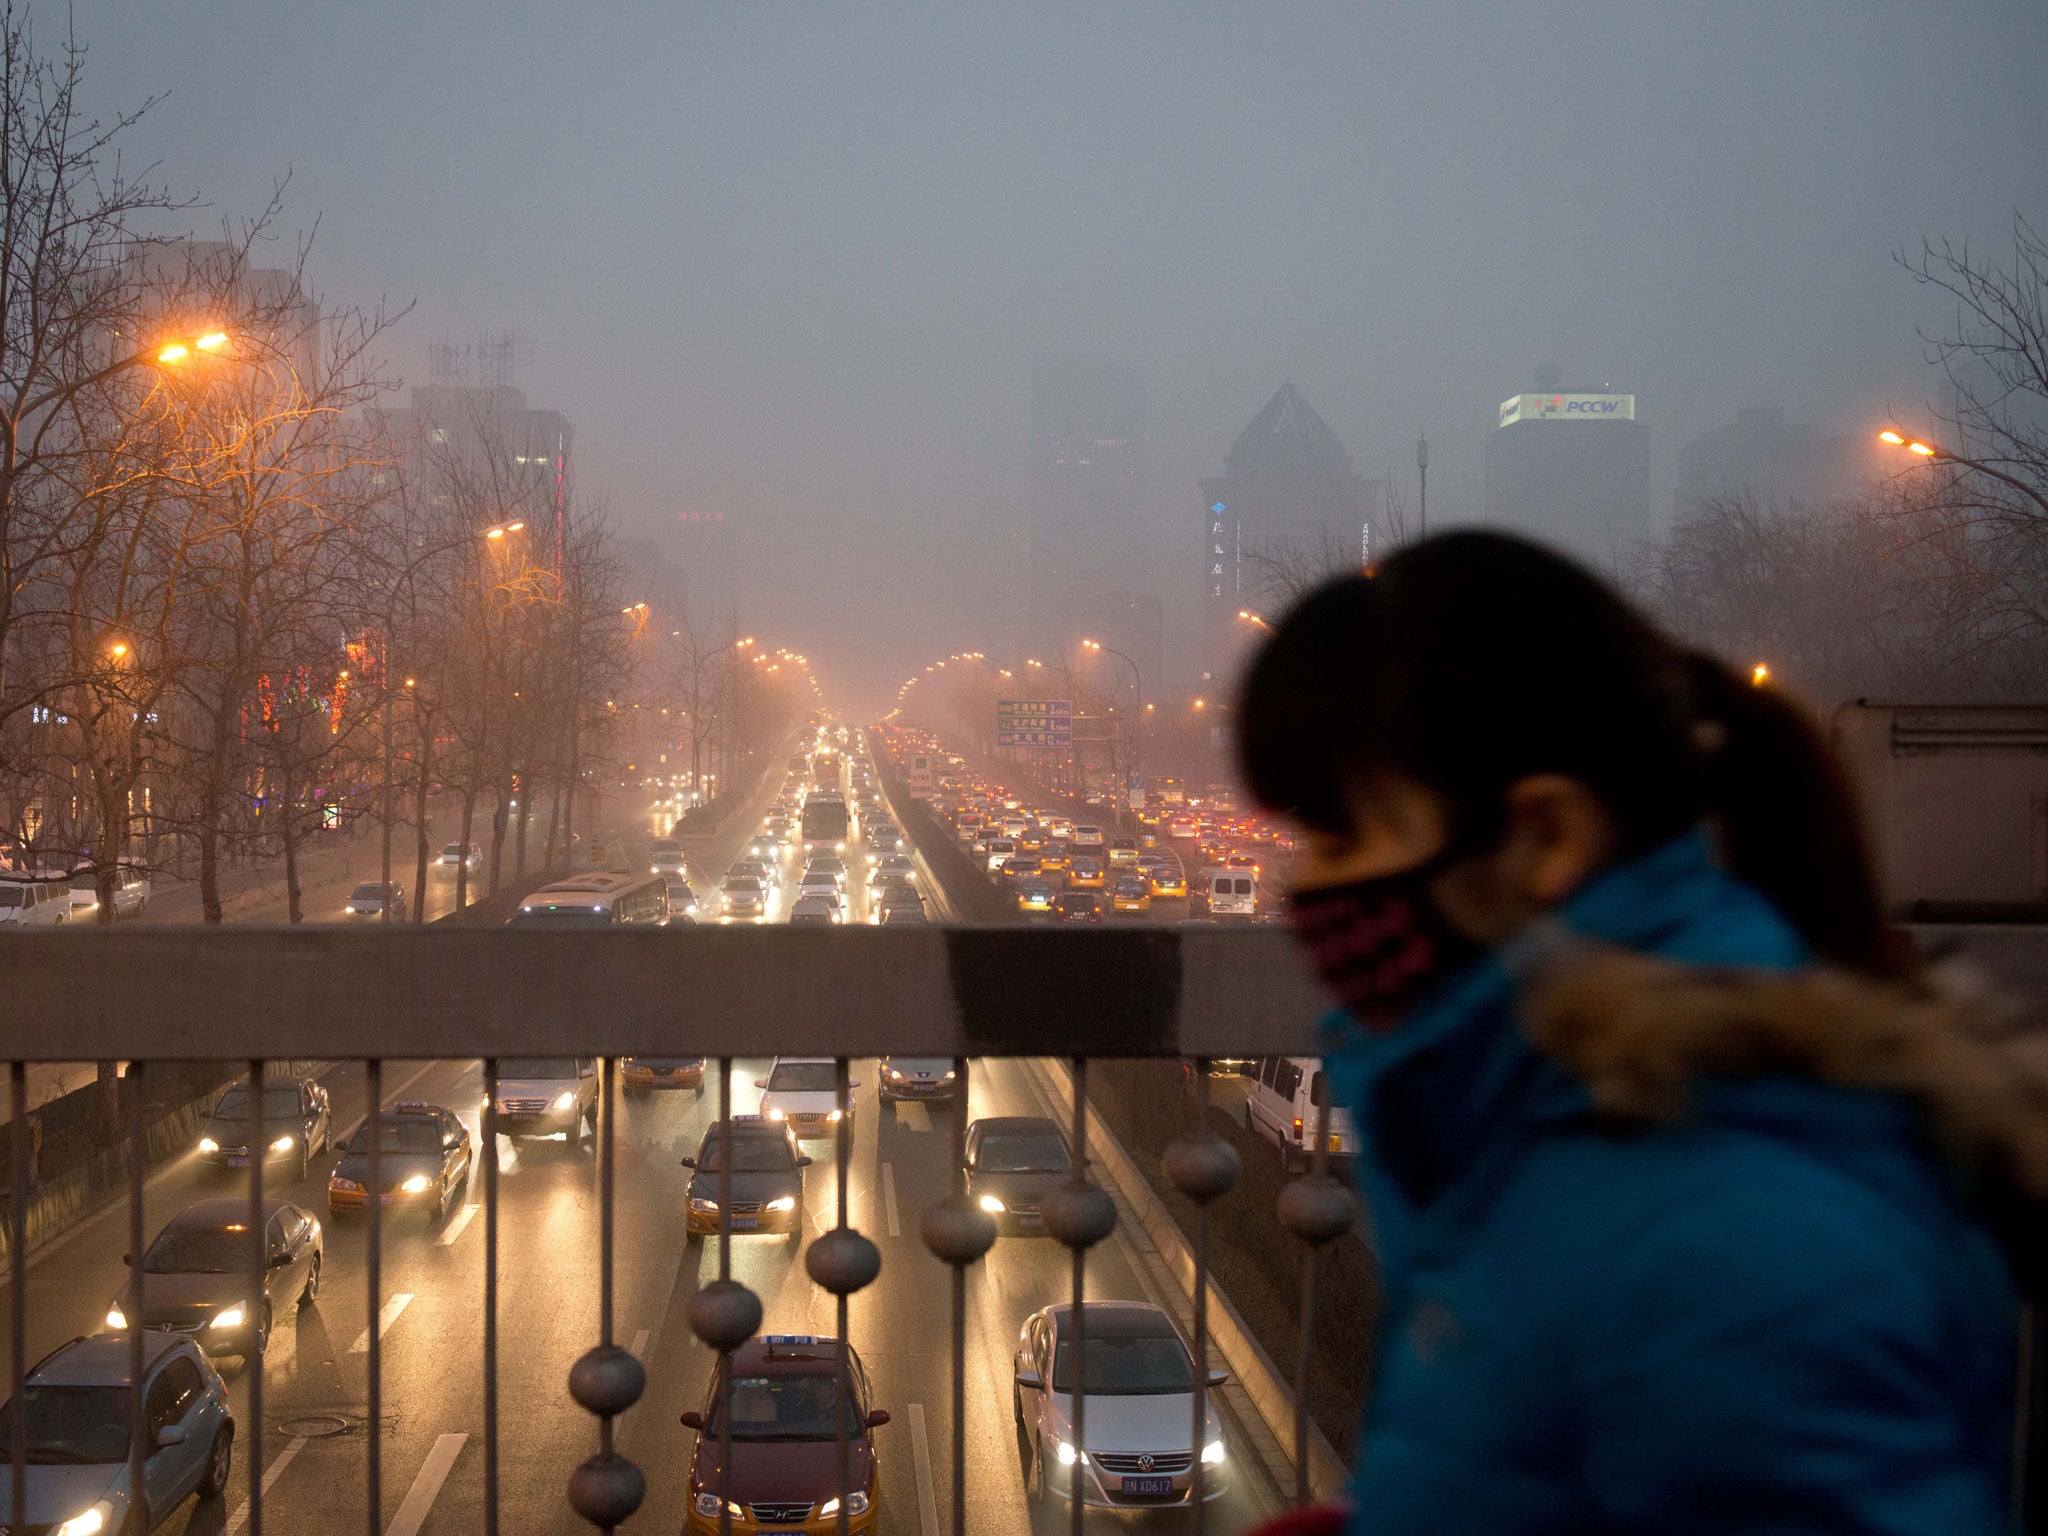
{"x": 1297, "y": 1130}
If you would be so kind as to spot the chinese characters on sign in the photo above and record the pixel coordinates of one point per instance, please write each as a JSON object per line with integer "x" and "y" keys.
{"x": 1034, "y": 722}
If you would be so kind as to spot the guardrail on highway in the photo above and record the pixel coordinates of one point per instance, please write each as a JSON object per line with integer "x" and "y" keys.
{"x": 454, "y": 993}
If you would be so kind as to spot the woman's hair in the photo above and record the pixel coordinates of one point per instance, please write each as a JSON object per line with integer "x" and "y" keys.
{"x": 1471, "y": 660}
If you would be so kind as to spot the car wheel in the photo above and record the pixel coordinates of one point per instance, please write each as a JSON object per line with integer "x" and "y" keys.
{"x": 311, "y": 1293}
{"x": 220, "y": 1464}
{"x": 263, "y": 1333}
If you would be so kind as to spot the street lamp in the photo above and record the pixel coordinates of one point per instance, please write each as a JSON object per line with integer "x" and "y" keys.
{"x": 1252, "y": 618}
{"x": 1759, "y": 675}
{"x": 1935, "y": 453}
{"x": 1138, "y": 696}
{"x": 1422, "y": 469}
{"x": 176, "y": 351}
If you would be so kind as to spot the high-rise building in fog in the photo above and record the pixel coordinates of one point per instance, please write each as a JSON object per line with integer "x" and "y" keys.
{"x": 1087, "y": 475}
{"x": 486, "y": 448}
{"x": 1572, "y": 470}
{"x": 1761, "y": 454}
{"x": 1288, "y": 507}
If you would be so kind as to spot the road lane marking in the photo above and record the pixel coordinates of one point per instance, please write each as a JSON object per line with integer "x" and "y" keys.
{"x": 270, "y": 1475}
{"x": 640, "y": 1346}
{"x": 389, "y": 1098}
{"x": 419, "y": 1499}
{"x": 385, "y": 1319}
{"x": 889, "y": 1198}
{"x": 454, "y": 1228}
{"x": 921, "y": 1457}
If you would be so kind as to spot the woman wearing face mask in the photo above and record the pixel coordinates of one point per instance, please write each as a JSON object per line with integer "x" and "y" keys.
{"x": 1683, "y": 1184}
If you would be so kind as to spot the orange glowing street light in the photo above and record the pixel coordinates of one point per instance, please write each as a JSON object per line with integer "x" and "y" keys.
{"x": 1759, "y": 675}
{"x": 178, "y": 351}
{"x": 118, "y": 649}
{"x": 1253, "y": 618}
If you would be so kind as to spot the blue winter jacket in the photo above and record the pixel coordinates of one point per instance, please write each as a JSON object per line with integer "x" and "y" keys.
{"x": 1775, "y": 1312}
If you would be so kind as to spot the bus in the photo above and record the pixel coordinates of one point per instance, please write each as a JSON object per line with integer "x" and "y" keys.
{"x": 596, "y": 901}
{"x": 826, "y": 823}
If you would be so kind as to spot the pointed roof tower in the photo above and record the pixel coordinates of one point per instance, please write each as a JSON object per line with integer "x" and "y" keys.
{"x": 1287, "y": 437}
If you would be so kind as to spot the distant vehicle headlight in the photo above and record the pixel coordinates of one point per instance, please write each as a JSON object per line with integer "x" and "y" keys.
{"x": 1067, "y": 1454}
{"x": 208, "y": 1144}
{"x": 992, "y": 1205}
{"x": 116, "y": 1318}
{"x": 416, "y": 1185}
{"x": 282, "y": 1144}
{"x": 783, "y": 1203}
{"x": 230, "y": 1317}
{"x": 565, "y": 1101}
{"x": 836, "y": 1116}
{"x": 776, "y": 1114}
{"x": 856, "y": 1504}
{"x": 1212, "y": 1454}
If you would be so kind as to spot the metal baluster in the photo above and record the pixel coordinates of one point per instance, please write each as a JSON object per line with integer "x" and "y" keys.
{"x": 136, "y": 1305}
{"x": 607, "y": 1487}
{"x": 843, "y": 1261}
{"x": 17, "y": 1259}
{"x": 724, "y": 1314}
{"x": 489, "y": 1126}
{"x": 1080, "y": 1214}
{"x": 256, "y": 1322}
{"x": 959, "y": 1234}
{"x": 1202, "y": 1166}
{"x": 373, "y": 1213}
{"x": 1318, "y": 1210}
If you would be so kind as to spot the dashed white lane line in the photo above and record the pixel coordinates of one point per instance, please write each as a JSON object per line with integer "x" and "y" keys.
{"x": 454, "y": 1228}
{"x": 270, "y": 1475}
{"x": 889, "y": 1198}
{"x": 419, "y": 1499}
{"x": 385, "y": 1319}
{"x": 640, "y": 1346}
{"x": 921, "y": 1458}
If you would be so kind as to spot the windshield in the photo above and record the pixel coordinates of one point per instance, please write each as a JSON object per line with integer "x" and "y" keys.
{"x": 1126, "y": 1367}
{"x": 750, "y": 1154}
{"x": 554, "y": 1067}
{"x": 455, "y": 848}
{"x": 278, "y": 1104}
{"x": 367, "y": 893}
{"x": 198, "y": 1251}
{"x": 783, "y": 1408}
{"x": 935, "y": 1066}
{"x": 414, "y": 1133}
{"x": 804, "y": 1077}
{"x": 70, "y": 1425}
{"x": 1042, "y": 1153}
{"x": 10, "y": 895}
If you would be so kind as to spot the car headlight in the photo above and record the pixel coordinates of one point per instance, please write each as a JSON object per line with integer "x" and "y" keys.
{"x": 776, "y": 1114}
{"x": 338, "y": 1182}
{"x": 1212, "y": 1454}
{"x": 1067, "y": 1454}
{"x": 836, "y": 1116}
{"x": 90, "y": 1523}
{"x": 116, "y": 1318}
{"x": 208, "y": 1144}
{"x": 992, "y": 1205}
{"x": 282, "y": 1144}
{"x": 706, "y": 1207}
{"x": 783, "y": 1203}
{"x": 564, "y": 1102}
{"x": 416, "y": 1185}
{"x": 947, "y": 1078}
{"x": 708, "y": 1505}
{"x": 856, "y": 1505}
{"x": 230, "y": 1317}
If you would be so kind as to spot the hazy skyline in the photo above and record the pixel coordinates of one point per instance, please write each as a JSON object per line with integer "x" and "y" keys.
{"x": 792, "y": 262}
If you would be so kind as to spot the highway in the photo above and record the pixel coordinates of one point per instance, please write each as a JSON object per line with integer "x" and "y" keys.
{"x": 316, "y": 1393}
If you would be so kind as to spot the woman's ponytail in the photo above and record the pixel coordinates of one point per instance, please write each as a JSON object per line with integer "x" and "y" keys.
{"x": 1789, "y": 821}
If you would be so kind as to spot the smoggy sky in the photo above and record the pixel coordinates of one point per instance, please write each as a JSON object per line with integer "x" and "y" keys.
{"x": 791, "y": 262}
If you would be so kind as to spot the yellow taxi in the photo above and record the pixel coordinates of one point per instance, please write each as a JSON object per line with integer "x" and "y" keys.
{"x": 1133, "y": 893}
{"x": 1169, "y": 882}
{"x": 1085, "y": 874}
{"x": 784, "y": 1407}
{"x": 643, "y": 1073}
{"x": 1054, "y": 859}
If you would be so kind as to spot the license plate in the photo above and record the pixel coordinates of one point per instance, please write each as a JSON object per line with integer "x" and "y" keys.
{"x": 238, "y": 1162}
{"x": 745, "y": 1223}
{"x": 1153, "y": 1485}
{"x": 1335, "y": 1145}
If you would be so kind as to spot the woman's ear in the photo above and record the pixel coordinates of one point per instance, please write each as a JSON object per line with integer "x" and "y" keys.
{"x": 1556, "y": 836}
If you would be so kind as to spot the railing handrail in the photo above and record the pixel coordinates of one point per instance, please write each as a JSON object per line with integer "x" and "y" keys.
{"x": 243, "y": 992}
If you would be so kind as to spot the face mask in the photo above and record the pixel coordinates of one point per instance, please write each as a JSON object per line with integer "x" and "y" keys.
{"x": 1381, "y": 944}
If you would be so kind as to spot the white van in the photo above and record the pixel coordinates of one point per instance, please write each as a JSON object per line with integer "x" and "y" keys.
{"x": 34, "y": 901}
{"x": 1284, "y": 1099}
{"x": 1221, "y": 892}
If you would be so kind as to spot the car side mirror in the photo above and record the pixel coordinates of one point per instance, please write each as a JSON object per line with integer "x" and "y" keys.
{"x": 171, "y": 1434}
{"x": 692, "y": 1420}
{"x": 279, "y": 1260}
{"x": 878, "y": 1418}
{"x": 804, "y": 1159}
{"x": 689, "y": 1162}
{"x": 1031, "y": 1379}
{"x": 1218, "y": 1378}
{"x": 760, "y": 1082}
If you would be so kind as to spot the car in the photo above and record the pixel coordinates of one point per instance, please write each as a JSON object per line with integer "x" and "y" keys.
{"x": 640, "y": 1074}
{"x": 1018, "y": 869}
{"x": 1077, "y": 907}
{"x": 882, "y": 835}
{"x": 424, "y": 1159}
{"x": 768, "y": 847}
{"x": 1085, "y": 873}
{"x": 1061, "y": 827}
{"x": 782, "y": 1402}
{"x": 547, "y": 1096}
{"x": 922, "y": 1079}
{"x": 367, "y": 901}
{"x": 1137, "y": 1384}
{"x": 770, "y": 875}
{"x": 1169, "y": 882}
{"x": 819, "y": 882}
{"x": 130, "y": 896}
{"x": 897, "y": 866}
{"x": 804, "y": 1092}
{"x": 902, "y": 916}
{"x": 456, "y": 855}
{"x": 75, "y": 1404}
{"x": 1132, "y": 894}
{"x": 1086, "y": 836}
{"x": 1123, "y": 850}
{"x": 828, "y": 863}
{"x": 298, "y": 1124}
{"x": 665, "y": 857}
{"x": 743, "y": 897}
{"x": 1055, "y": 860}
{"x": 767, "y": 1181}
{"x": 1013, "y": 1162}
{"x": 1035, "y": 896}
{"x": 817, "y": 908}
{"x": 1031, "y": 840}
{"x": 198, "y": 1275}
{"x": 682, "y": 900}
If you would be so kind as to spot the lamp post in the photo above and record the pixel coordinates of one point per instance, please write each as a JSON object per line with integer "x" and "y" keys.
{"x": 1934, "y": 453}
{"x": 1422, "y": 469}
{"x": 1138, "y": 691}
